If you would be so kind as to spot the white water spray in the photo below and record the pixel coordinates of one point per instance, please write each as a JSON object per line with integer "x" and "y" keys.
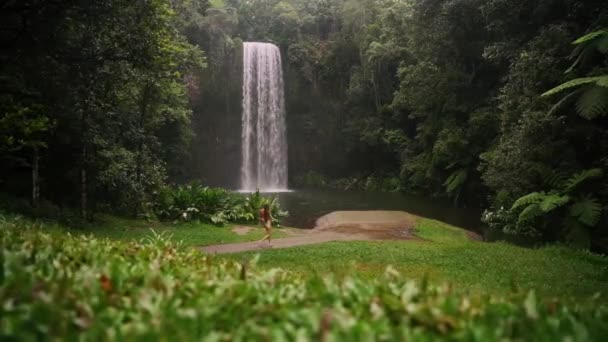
{"x": 264, "y": 142}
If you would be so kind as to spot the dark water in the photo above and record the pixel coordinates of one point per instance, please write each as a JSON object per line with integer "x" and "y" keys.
{"x": 305, "y": 206}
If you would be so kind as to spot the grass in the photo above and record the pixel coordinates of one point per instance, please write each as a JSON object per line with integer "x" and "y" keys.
{"x": 55, "y": 286}
{"x": 189, "y": 233}
{"x": 446, "y": 254}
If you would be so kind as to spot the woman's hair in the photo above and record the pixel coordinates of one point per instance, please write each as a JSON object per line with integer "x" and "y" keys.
{"x": 266, "y": 207}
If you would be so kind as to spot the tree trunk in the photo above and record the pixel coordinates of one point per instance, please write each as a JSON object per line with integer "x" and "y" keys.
{"x": 140, "y": 146}
{"x": 35, "y": 178}
{"x": 83, "y": 166}
{"x": 83, "y": 183}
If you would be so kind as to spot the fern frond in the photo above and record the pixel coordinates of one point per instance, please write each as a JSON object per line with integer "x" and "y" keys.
{"x": 552, "y": 202}
{"x": 583, "y": 53}
{"x": 533, "y": 198}
{"x": 456, "y": 180}
{"x": 587, "y": 211}
{"x": 531, "y": 212}
{"x": 587, "y": 47}
{"x": 601, "y": 81}
{"x": 566, "y": 100}
{"x": 591, "y": 36}
{"x": 602, "y": 45}
{"x": 575, "y": 181}
{"x": 555, "y": 179}
{"x": 593, "y": 102}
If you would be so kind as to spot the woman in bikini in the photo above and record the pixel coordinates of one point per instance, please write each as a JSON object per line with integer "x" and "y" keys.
{"x": 266, "y": 221}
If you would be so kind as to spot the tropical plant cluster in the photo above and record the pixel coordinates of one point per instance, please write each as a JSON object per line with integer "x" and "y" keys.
{"x": 54, "y": 285}
{"x": 219, "y": 206}
{"x": 479, "y": 101}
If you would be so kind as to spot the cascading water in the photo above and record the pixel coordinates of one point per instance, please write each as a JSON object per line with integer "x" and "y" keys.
{"x": 264, "y": 142}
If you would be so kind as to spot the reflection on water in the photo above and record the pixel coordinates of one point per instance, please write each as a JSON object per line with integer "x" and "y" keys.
{"x": 305, "y": 206}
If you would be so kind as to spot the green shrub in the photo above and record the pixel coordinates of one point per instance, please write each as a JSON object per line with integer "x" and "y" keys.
{"x": 572, "y": 203}
{"x": 212, "y": 205}
{"x": 57, "y": 286}
{"x": 45, "y": 209}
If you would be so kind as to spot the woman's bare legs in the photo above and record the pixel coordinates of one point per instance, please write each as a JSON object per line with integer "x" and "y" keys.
{"x": 268, "y": 229}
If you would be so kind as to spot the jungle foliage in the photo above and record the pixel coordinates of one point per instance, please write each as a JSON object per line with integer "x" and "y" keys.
{"x": 195, "y": 202}
{"x": 95, "y": 105}
{"x": 458, "y": 99}
{"x": 479, "y": 101}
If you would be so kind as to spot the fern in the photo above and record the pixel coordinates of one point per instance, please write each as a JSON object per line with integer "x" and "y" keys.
{"x": 575, "y": 181}
{"x": 593, "y": 102}
{"x": 587, "y": 46}
{"x": 602, "y": 34}
{"x": 455, "y": 181}
{"x": 528, "y": 200}
{"x": 566, "y": 100}
{"x": 554, "y": 179}
{"x": 552, "y": 202}
{"x": 531, "y": 212}
{"x": 587, "y": 211}
{"x": 601, "y": 81}
{"x": 537, "y": 204}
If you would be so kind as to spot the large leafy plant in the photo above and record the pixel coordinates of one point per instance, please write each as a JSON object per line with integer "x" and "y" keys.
{"x": 591, "y": 90}
{"x": 255, "y": 201}
{"x": 579, "y": 210}
{"x": 214, "y": 205}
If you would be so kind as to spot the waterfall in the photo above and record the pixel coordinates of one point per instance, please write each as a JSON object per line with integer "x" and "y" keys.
{"x": 264, "y": 142}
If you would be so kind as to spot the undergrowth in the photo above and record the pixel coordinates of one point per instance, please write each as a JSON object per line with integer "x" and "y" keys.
{"x": 54, "y": 285}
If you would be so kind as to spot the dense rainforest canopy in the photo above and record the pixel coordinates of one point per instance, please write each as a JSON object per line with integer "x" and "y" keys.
{"x": 103, "y": 102}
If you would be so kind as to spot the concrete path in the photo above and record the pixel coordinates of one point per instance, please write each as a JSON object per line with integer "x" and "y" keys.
{"x": 337, "y": 226}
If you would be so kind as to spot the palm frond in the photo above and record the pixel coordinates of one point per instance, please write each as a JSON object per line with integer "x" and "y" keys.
{"x": 587, "y": 211}
{"x": 533, "y": 198}
{"x": 575, "y": 181}
{"x": 593, "y": 102}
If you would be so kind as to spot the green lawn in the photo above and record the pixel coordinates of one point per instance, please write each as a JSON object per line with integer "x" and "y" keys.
{"x": 446, "y": 254}
{"x": 55, "y": 286}
{"x": 191, "y": 233}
